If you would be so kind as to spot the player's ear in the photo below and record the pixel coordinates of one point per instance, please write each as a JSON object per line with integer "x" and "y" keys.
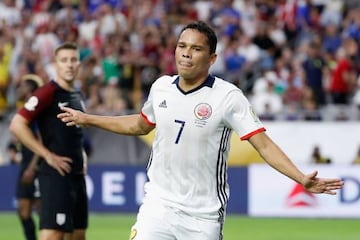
{"x": 213, "y": 57}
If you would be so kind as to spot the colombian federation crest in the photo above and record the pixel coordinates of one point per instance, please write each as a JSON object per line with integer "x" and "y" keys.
{"x": 203, "y": 111}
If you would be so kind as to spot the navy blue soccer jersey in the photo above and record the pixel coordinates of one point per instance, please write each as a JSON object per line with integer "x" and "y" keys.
{"x": 44, "y": 106}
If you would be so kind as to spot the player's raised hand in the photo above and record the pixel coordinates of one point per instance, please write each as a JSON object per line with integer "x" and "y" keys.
{"x": 71, "y": 116}
{"x": 60, "y": 163}
{"x": 322, "y": 185}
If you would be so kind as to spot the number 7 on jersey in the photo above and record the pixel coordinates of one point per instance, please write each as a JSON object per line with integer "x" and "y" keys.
{"x": 182, "y": 124}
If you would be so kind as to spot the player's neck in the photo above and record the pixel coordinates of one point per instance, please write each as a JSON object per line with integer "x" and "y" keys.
{"x": 67, "y": 85}
{"x": 190, "y": 84}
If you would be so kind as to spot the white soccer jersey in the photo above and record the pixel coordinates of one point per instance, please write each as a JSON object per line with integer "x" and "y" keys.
{"x": 188, "y": 168}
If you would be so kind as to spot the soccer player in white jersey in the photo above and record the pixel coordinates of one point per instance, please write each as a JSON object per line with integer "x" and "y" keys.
{"x": 194, "y": 115}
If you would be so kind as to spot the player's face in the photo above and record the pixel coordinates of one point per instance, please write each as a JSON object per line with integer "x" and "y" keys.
{"x": 21, "y": 91}
{"x": 67, "y": 65}
{"x": 192, "y": 55}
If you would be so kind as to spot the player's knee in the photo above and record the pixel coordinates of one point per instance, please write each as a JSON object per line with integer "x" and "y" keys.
{"x": 24, "y": 212}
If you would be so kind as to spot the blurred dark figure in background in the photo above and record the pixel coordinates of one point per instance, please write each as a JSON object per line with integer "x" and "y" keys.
{"x": 27, "y": 189}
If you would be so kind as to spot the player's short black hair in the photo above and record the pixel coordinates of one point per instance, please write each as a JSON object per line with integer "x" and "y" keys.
{"x": 206, "y": 30}
{"x": 66, "y": 45}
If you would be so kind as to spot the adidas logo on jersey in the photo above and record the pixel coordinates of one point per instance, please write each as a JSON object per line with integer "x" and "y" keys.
{"x": 163, "y": 104}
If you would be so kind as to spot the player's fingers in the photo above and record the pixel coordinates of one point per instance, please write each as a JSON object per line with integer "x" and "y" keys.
{"x": 61, "y": 172}
{"x": 66, "y": 118}
{"x": 66, "y": 164}
{"x": 65, "y": 109}
{"x": 63, "y": 169}
{"x": 66, "y": 159}
{"x": 334, "y": 183}
{"x": 66, "y": 168}
{"x": 332, "y": 180}
{"x": 70, "y": 123}
{"x": 334, "y": 187}
{"x": 62, "y": 115}
{"x": 330, "y": 192}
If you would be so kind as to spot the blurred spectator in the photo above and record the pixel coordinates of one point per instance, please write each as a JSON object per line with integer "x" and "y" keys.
{"x": 277, "y": 34}
{"x": 9, "y": 13}
{"x": 112, "y": 101}
{"x": 167, "y": 65}
{"x": 286, "y": 16}
{"x": 148, "y": 62}
{"x": 332, "y": 12}
{"x": 293, "y": 94}
{"x": 357, "y": 157}
{"x": 203, "y": 8}
{"x": 248, "y": 16}
{"x": 264, "y": 99}
{"x": 352, "y": 24}
{"x": 343, "y": 77}
{"x": 262, "y": 39}
{"x": 317, "y": 157}
{"x": 14, "y": 151}
{"x": 110, "y": 20}
{"x": 110, "y": 64}
{"x": 313, "y": 66}
{"x": 45, "y": 42}
{"x": 91, "y": 77}
{"x": 6, "y": 48}
{"x": 356, "y": 98}
{"x": 268, "y": 114}
{"x": 251, "y": 54}
{"x": 127, "y": 64}
{"x": 234, "y": 61}
{"x": 331, "y": 38}
{"x": 310, "y": 109}
{"x": 341, "y": 115}
{"x": 88, "y": 25}
{"x": 292, "y": 113}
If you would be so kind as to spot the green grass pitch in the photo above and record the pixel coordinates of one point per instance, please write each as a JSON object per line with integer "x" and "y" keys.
{"x": 116, "y": 226}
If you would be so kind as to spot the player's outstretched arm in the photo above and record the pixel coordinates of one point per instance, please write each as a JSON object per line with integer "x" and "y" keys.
{"x": 277, "y": 159}
{"x": 127, "y": 125}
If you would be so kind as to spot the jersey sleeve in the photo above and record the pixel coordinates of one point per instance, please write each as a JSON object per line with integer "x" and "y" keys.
{"x": 147, "y": 111}
{"x": 40, "y": 100}
{"x": 240, "y": 116}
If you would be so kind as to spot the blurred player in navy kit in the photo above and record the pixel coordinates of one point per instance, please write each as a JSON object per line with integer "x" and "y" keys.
{"x": 27, "y": 188}
{"x": 64, "y": 203}
{"x": 194, "y": 114}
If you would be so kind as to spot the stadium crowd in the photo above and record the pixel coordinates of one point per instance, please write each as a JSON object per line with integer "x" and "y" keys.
{"x": 294, "y": 59}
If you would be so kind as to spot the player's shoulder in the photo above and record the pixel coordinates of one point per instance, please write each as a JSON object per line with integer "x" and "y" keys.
{"x": 50, "y": 86}
{"x": 46, "y": 93}
{"x": 164, "y": 80}
{"x": 224, "y": 86}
